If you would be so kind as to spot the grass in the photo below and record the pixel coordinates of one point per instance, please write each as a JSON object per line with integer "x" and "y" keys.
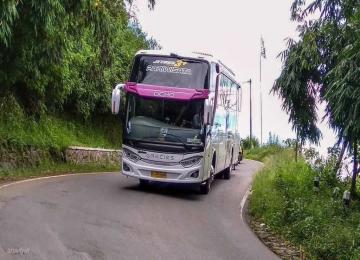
{"x": 260, "y": 153}
{"x": 51, "y": 131}
{"x": 56, "y": 131}
{"x": 51, "y": 134}
{"x": 283, "y": 197}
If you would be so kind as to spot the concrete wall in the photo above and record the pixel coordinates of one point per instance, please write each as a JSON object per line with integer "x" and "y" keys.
{"x": 13, "y": 157}
{"x": 27, "y": 156}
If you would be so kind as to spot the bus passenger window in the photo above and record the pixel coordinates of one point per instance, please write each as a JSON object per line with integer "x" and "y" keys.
{"x": 213, "y": 77}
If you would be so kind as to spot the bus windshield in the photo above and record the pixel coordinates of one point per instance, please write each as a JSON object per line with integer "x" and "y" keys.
{"x": 170, "y": 72}
{"x": 164, "y": 120}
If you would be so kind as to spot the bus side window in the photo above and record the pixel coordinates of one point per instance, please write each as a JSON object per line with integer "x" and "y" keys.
{"x": 221, "y": 90}
{"x": 233, "y": 96}
{"x": 213, "y": 76}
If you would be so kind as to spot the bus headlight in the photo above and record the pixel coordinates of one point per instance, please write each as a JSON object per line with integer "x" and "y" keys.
{"x": 131, "y": 155}
{"x": 190, "y": 161}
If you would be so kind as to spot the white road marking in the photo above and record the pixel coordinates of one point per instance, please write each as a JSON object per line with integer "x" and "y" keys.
{"x": 49, "y": 177}
{"x": 246, "y": 195}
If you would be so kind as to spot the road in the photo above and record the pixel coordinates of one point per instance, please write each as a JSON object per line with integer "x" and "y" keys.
{"x": 107, "y": 216}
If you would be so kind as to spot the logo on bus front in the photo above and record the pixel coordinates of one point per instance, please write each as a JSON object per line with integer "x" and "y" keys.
{"x": 164, "y": 94}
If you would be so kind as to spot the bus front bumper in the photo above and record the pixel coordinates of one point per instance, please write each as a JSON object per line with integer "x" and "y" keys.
{"x": 170, "y": 174}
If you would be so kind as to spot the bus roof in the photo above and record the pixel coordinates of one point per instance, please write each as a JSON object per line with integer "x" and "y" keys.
{"x": 195, "y": 55}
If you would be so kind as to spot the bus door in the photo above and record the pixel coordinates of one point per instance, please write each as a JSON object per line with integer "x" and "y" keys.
{"x": 230, "y": 136}
{"x": 220, "y": 138}
{"x": 231, "y": 120}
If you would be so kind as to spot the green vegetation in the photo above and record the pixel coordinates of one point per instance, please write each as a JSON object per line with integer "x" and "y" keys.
{"x": 323, "y": 66}
{"x": 249, "y": 143}
{"x": 65, "y": 57}
{"x": 58, "y": 64}
{"x": 59, "y": 61}
{"x": 284, "y": 198}
{"x": 253, "y": 151}
{"x": 261, "y": 153}
{"x": 58, "y": 132}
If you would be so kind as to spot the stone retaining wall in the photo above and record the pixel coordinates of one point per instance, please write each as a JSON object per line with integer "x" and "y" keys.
{"x": 84, "y": 155}
{"x": 12, "y": 156}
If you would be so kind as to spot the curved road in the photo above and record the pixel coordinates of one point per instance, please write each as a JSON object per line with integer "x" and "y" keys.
{"x": 107, "y": 216}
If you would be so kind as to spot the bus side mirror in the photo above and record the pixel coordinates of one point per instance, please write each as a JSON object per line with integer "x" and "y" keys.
{"x": 217, "y": 68}
{"x": 115, "y": 98}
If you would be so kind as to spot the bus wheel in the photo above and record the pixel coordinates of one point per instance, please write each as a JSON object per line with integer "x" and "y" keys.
{"x": 143, "y": 183}
{"x": 228, "y": 170}
{"x": 240, "y": 157}
{"x": 227, "y": 173}
{"x": 206, "y": 186}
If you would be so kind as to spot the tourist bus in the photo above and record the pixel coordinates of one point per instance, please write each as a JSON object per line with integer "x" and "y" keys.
{"x": 180, "y": 119}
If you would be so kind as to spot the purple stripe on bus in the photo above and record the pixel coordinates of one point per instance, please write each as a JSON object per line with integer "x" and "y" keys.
{"x": 163, "y": 92}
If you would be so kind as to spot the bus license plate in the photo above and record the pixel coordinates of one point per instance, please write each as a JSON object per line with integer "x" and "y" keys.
{"x": 161, "y": 175}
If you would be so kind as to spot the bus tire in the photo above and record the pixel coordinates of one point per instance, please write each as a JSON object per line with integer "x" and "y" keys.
{"x": 240, "y": 158}
{"x": 228, "y": 170}
{"x": 205, "y": 187}
{"x": 227, "y": 173}
{"x": 143, "y": 183}
{"x": 241, "y": 155}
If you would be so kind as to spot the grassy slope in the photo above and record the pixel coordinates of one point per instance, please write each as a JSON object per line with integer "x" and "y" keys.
{"x": 54, "y": 133}
{"x": 259, "y": 154}
{"x": 60, "y": 132}
{"x": 283, "y": 197}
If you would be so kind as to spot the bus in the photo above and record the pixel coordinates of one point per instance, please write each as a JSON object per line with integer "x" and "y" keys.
{"x": 180, "y": 119}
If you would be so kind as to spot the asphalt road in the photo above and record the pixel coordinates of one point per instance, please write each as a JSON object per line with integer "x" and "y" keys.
{"x": 107, "y": 216}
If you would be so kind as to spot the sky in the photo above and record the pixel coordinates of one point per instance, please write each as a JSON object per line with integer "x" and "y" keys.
{"x": 231, "y": 31}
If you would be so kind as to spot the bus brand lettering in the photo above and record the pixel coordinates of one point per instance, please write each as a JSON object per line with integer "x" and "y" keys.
{"x": 164, "y": 94}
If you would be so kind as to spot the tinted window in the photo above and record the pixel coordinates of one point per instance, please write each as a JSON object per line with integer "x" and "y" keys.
{"x": 213, "y": 77}
{"x": 170, "y": 71}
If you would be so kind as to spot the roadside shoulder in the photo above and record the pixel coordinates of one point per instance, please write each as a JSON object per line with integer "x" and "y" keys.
{"x": 275, "y": 243}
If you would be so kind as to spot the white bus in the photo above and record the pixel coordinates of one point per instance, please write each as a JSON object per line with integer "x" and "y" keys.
{"x": 180, "y": 118}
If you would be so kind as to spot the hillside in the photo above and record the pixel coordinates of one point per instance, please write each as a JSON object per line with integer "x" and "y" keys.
{"x": 58, "y": 65}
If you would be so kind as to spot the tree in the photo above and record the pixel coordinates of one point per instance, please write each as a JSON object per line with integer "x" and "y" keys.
{"x": 323, "y": 67}
{"x": 65, "y": 55}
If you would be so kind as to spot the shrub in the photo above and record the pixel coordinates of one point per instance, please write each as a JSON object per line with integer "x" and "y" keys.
{"x": 249, "y": 143}
{"x": 284, "y": 198}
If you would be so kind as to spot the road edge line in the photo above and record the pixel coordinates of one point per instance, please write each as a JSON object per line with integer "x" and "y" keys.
{"x": 3, "y": 186}
{"x": 245, "y": 197}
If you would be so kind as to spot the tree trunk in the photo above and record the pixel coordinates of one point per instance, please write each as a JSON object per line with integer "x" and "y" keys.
{"x": 341, "y": 156}
{"x": 355, "y": 171}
